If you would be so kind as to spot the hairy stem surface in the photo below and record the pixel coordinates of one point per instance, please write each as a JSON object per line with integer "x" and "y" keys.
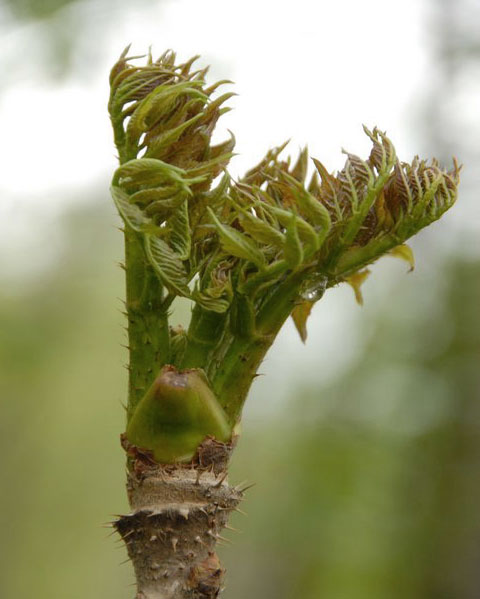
{"x": 148, "y": 337}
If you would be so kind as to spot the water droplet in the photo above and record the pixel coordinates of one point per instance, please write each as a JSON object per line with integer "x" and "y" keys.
{"x": 314, "y": 288}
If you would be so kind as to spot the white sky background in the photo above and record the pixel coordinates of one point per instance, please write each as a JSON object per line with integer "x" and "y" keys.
{"x": 312, "y": 71}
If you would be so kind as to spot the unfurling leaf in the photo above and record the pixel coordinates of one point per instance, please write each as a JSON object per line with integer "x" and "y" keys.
{"x": 237, "y": 244}
{"x": 299, "y": 171}
{"x": 404, "y": 252}
{"x": 167, "y": 265}
{"x": 382, "y": 156}
{"x": 362, "y": 188}
{"x": 131, "y": 214}
{"x": 180, "y": 238}
{"x": 293, "y": 251}
{"x": 158, "y": 103}
{"x": 257, "y": 174}
{"x": 356, "y": 281}
{"x": 210, "y": 301}
{"x": 147, "y": 171}
{"x": 217, "y": 195}
{"x": 313, "y": 208}
{"x": 215, "y": 292}
{"x": 160, "y": 143}
{"x": 306, "y": 232}
{"x": 166, "y": 196}
{"x": 263, "y": 279}
{"x": 261, "y": 230}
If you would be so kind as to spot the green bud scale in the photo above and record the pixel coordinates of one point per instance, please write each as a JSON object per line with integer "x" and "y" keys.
{"x": 175, "y": 415}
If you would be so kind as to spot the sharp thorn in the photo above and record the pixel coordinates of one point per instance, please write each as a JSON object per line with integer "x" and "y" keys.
{"x": 220, "y": 482}
{"x": 228, "y": 527}
{"x": 241, "y": 489}
{"x": 225, "y": 540}
{"x": 114, "y": 532}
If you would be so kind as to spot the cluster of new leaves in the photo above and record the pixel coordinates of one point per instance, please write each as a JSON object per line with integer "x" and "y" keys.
{"x": 243, "y": 237}
{"x": 332, "y": 225}
{"x": 163, "y": 117}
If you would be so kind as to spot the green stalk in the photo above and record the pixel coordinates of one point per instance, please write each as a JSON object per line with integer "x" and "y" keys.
{"x": 205, "y": 330}
{"x": 240, "y": 361}
{"x": 148, "y": 335}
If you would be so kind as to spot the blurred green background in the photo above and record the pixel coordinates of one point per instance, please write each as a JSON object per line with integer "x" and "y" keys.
{"x": 364, "y": 446}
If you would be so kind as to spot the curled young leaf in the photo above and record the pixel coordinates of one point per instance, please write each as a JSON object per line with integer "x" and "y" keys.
{"x": 148, "y": 171}
{"x": 167, "y": 265}
{"x": 131, "y": 214}
{"x": 315, "y": 212}
{"x": 210, "y": 302}
{"x": 293, "y": 250}
{"x": 179, "y": 231}
{"x": 259, "y": 229}
{"x": 215, "y": 292}
{"x": 237, "y": 244}
{"x": 305, "y": 231}
{"x": 166, "y": 111}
